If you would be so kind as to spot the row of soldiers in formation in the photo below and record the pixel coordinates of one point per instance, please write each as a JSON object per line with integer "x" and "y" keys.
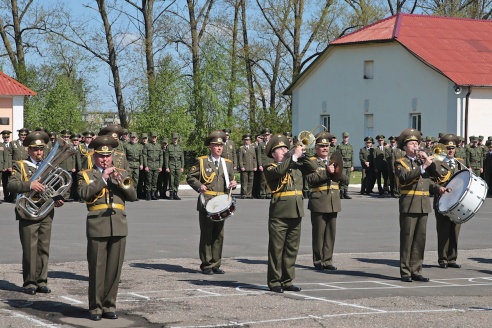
{"x": 378, "y": 159}
{"x": 154, "y": 167}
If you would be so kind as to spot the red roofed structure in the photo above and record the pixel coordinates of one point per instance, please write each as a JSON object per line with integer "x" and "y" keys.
{"x": 12, "y": 95}
{"x": 427, "y": 72}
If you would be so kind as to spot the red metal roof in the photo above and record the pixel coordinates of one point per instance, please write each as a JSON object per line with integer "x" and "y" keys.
{"x": 11, "y": 87}
{"x": 461, "y": 49}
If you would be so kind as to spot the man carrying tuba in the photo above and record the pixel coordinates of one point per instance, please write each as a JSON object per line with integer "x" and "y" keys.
{"x": 35, "y": 235}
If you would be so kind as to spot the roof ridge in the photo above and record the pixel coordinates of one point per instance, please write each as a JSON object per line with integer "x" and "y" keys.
{"x": 26, "y": 91}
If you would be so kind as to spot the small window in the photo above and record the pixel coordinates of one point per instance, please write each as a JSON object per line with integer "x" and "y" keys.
{"x": 416, "y": 121}
{"x": 4, "y": 120}
{"x": 325, "y": 121}
{"x": 368, "y": 69}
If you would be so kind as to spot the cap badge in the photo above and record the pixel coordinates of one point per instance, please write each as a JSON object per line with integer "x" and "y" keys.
{"x": 104, "y": 148}
{"x": 219, "y": 139}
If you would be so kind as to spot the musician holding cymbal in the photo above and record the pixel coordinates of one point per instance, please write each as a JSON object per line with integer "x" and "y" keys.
{"x": 447, "y": 230}
{"x": 414, "y": 205}
{"x": 284, "y": 178}
{"x": 211, "y": 176}
{"x": 35, "y": 235}
{"x": 105, "y": 189}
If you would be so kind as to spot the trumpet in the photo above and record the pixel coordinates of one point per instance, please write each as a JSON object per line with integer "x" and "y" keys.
{"x": 123, "y": 183}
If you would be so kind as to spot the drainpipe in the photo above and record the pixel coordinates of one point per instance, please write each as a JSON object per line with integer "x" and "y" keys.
{"x": 467, "y": 103}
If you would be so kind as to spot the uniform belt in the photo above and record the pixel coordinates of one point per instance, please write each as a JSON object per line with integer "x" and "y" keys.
{"x": 414, "y": 192}
{"x": 325, "y": 188}
{"x": 287, "y": 193}
{"x": 213, "y": 193}
{"x": 105, "y": 206}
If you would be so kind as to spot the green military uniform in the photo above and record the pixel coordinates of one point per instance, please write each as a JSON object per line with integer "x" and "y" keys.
{"x": 134, "y": 156}
{"x": 35, "y": 235}
{"x": 447, "y": 231}
{"x": 366, "y": 155}
{"x": 285, "y": 180}
{"x": 163, "y": 179}
{"x": 414, "y": 206}
{"x": 324, "y": 203}
{"x": 152, "y": 162}
{"x": 460, "y": 149}
{"x": 75, "y": 139}
{"x": 85, "y": 151}
{"x": 210, "y": 172}
{"x": 263, "y": 161}
{"x": 380, "y": 165}
{"x": 174, "y": 165}
{"x": 7, "y": 163}
{"x": 247, "y": 166}
{"x": 487, "y": 165}
{"x": 392, "y": 154}
{"x": 230, "y": 149}
{"x": 106, "y": 229}
{"x": 474, "y": 157}
{"x": 347, "y": 151}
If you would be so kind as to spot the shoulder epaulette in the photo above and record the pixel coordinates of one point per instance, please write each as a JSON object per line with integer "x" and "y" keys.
{"x": 402, "y": 162}
{"x": 227, "y": 160}
{"x": 312, "y": 158}
{"x": 202, "y": 157}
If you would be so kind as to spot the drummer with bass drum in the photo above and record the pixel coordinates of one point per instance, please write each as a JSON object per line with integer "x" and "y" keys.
{"x": 211, "y": 176}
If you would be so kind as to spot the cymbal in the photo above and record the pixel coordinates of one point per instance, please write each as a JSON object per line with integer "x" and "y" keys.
{"x": 337, "y": 161}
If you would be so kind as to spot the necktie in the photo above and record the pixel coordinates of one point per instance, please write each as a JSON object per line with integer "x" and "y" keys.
{"x": 451, "y": 164}
{"x": 216, "y": 164}
{"x": 325, "y": 161}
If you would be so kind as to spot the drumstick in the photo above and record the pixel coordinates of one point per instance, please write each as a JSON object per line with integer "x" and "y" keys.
{"x": 449, "y": 189}
{"x": 230, "y": 189}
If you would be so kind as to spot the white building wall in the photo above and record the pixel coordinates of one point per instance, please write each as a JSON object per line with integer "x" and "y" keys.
{"x": 480, "y": 109}
{"x": 402, "y": 85}
{"x": 17, "y": 115}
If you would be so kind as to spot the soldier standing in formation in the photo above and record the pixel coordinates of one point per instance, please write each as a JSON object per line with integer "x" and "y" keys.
{"x": 285, "y": 179}
{"x": 263, "y": 161}
{"x": 163, "y": 180}
{"x": 7, "y": 164}
{"x": 143, "y": 175}
{"x": 414, "y": 204}
{"x": 247, "y": 167}
{"x": 35, "y": 235}
{"x": 380, "y": 165}
{"x": 392, "y": 154}
{"x": 347, "y": 151}
{"x": 474, "y": 156}
{"x": 487, "y": 165}
{"x": 324, "y": 203}
{"x": 134, "y": 155}
{"x": 230, "y": 148}
{"x": 366, "y": 157}
{"x": 258, "y": 175}
{"x": 152, "y": 162}
{"x": 174, "y": 166}
{"x": 211, "y": 176}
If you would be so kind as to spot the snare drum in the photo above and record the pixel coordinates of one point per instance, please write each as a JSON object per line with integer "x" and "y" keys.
{"x": 466, "y": 195}
{"x": 220, "y": 207}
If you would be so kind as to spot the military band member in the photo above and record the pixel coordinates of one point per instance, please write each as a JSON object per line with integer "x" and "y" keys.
{"x": 263, "y": 160}
{"x": 414, "y": 204}
{"x": 152, "y": 161}
{"x": 380, "y": 165}
{"x": 324, "y": 203}
{"x": 230, "y": 148}
{"x": 75, "y": 140}
{"x": 448, "y": 231}
{"x": 7, "y": 163}
{"x": 347, "y": 151}
{"x": 105, "y": 194}
{"x": 134, "y": 156}
{"x": 211, "y": 176}
{"x": 284, "y": 177}
{"x": 174, "y": 165}
{"x": 69, "y": 164}
{"x": 35, "y": 235}
{"x": 366, "y": 157}
{"x": 474, "y": 156}
{"x": 85, "y": 151}
{"x": 247, "y": 166}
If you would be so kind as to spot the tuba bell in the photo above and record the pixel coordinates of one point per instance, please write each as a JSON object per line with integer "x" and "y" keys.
{"x": 35, "y": 205}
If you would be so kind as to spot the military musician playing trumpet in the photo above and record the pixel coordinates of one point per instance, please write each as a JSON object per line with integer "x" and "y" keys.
{"x": 35, "y": 235}
{"x": 104, "y": 191}
{"x": 414, "y": 205}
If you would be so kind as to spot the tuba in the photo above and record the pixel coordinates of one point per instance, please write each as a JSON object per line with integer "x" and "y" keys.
{"x": 35, "y": 205}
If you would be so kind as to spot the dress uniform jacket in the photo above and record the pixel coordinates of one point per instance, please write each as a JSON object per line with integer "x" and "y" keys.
{"x": 324, "y": 203}
{"x": 86, "y": 157}
{"x": 347, "y": 152}
{"x": 7, "y": 164}
{"x": 285, "y": 180}
{"x": 19, "y": 152}
{"x": 368, "y": 174}
{"x": 263, "y": 161}
{"x": 205, "y": 172}
{"x": 487, "y": 168}
{"x": 230, "y": 152}
{"x": 106, "y": 231}
{"x": 35, "y": 236}
{"x": 247, "y": 160}
{"x": 474, "y": 159}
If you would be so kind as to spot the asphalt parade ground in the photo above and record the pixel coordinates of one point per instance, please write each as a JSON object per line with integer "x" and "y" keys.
{"x": 162, "y": 286}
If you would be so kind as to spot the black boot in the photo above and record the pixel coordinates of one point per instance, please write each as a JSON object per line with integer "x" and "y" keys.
{"x": 345, "y": 195}
{"x": 171, "y": 195}
{"x": 341, "y": 194}
{"x": 147, "y": 195}
{"x": 176, "y": 196}
{"x": 153, "y": 195}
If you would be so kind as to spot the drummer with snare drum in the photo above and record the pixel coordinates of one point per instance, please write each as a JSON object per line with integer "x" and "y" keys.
{"x": 211, "y": 176}
{"x": 447, "y": 230}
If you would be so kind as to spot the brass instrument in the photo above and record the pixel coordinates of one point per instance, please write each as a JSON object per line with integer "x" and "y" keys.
{"x": 34, "y": 205}
{"x": 439, "y": 152}
{"x": 123, "y": 183}
{"x": 307, "y": 139}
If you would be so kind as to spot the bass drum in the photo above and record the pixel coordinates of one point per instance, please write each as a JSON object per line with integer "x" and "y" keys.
{"x": 220, "y": 208}
{"x": 466, "y": 194}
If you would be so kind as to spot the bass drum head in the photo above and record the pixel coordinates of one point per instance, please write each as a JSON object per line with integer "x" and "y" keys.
{"x": 458, "y": 185}
{"x": 218, "y": 204}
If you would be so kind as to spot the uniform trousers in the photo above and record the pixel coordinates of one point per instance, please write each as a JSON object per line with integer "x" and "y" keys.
{"x": 324, "y": 228}
{"x": 175, "y": 176}
{"x": 151, "y": 180}
{"x": 105, "y": 257}
{"x": 247, "y": 183}
{"x": 345, "y": 183}
{"x": 283, "y": 246}
{"x": 211, "y": 242}
{"x": 382, "y": 186}
{"x": 413, "y": 228}
{"x": 134, "y": 173}
{"x": 35, "y": 237}
{"x": 447, "y": 239}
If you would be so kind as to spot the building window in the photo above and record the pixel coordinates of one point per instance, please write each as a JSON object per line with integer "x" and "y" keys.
{"x": 325, "y": 121}
{"x": 4, "y": 120}
{"x": 368, "y": 124}
{"x": 416, "y": 121}
{"x": 368, "y": 69}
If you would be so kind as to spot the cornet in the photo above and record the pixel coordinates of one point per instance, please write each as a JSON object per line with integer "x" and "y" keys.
{"x": 123, "y": 183}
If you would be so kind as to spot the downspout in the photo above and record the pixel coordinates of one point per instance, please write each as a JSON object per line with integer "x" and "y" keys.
{"x": 467, "y": 103}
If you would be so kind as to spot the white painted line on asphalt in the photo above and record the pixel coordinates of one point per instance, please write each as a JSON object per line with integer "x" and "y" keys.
{"x": 209, "y": 293}
{"x": 385, "y": 284}
{"x": 336, "y": 287}
{"x": 29, "y": 318}
{"x": 337, "y": 302}
{"x": 72, "y": 300}
{"x": 141, "y": 296}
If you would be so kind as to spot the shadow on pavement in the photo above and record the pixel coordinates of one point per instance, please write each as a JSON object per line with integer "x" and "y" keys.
{"x": 481, "y": 260}
{"x": 7, "y": 285}
{"x": 248, "y": 261}
{"x": 67, "y": 275}
{"x": 164, "y": 267}
{"x": 64, "y": 309}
